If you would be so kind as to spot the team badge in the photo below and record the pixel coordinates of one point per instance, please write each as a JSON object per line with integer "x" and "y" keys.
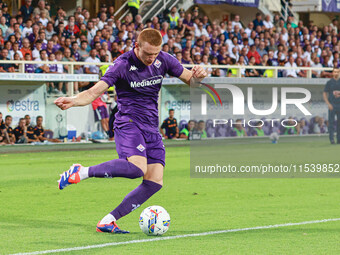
{"x": 157, "y": 63}
{"x": 141, "y": 148}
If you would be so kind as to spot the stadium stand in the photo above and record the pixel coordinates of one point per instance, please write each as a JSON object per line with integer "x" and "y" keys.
{"x": 34, "y": 34}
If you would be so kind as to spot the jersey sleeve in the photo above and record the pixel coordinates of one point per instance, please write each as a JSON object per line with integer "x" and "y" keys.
{"x": 174, "y": 67}
{"x": 164, "y": 124}
{"x": 113, "y": 73}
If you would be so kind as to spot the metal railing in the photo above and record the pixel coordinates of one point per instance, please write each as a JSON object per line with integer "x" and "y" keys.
{"x": 239, "y": 68}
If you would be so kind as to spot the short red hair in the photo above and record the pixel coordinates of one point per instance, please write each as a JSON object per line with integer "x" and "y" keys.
{"x": 151, "y": 36}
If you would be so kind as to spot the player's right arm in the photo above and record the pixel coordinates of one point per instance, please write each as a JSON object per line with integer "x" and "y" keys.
{"x": 325, "y": 98}
{"x": 84, "y": 98}
{"x": 325, "y": 94}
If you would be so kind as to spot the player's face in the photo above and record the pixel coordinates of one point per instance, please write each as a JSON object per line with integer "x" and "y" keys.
{"x": 147, "y": 53}
{"x": 171, "y": 114}
{"x": 336, "y": 73}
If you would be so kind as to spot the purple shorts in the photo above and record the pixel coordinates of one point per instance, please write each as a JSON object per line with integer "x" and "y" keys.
{"x": 101, "y": 113}
{"x": 132, "y": 141}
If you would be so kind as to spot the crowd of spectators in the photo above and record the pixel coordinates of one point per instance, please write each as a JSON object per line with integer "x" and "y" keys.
{"x": 34, "y": 34}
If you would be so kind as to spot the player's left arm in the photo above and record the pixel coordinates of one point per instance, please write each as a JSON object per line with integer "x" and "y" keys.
{"x": 194, "y": 77}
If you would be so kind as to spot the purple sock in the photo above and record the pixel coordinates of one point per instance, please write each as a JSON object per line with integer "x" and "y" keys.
{"x": 116, "y": 168}
{"x": 135, "y": 198}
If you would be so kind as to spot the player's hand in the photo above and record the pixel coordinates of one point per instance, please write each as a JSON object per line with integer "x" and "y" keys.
{"x": 64, "y": 103}
{"x": 330, "y": 107}
{"x": 198, "y": 72}
{"x": 336, "y": 93}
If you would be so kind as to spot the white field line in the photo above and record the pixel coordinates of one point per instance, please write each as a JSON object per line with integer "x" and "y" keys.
{"x": 176, "y": 237}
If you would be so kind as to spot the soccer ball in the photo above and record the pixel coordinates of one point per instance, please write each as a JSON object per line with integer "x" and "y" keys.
{"x": 274, "y": 137}
{"x": 154, "y": 221}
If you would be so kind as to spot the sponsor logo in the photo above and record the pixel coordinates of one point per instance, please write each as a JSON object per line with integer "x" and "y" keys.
{"x": 327, "y": 2}
{"x": 23, "y": 105}
{"x": 135, "y": 206}
{"x": 155, "y": 80}
{"x": 133, "y": 68}
{"x": 157, "y": 63}
{"x": 141, "y": 148}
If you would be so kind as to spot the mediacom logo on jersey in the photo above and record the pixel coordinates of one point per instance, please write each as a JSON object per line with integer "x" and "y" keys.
{"x": 23, "y": 105}
{"x": 155, "y": 80}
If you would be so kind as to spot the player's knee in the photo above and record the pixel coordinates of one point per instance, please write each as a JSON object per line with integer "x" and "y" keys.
{"x": 139, "y": 162}
{"x": 154, "y": 179}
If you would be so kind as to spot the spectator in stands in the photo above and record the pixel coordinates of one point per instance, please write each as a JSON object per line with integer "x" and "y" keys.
{"x": 34, "y": 36}
{"x": 252, "y": 72}
{"x": 316, "y": 64}
{"x": 26, "y": 49}
{"x": 258, "y": 21}
{"x": 253, "y": 53}
{"x": 326, "y": 74}
{"x": 261, "y": 49}
{"x": 170, "y": 126}
{"x": 3, "y": 25}
{"x": 42, "y": 68}
{"x": 239, "y": 128}
{"x": 334, "y": 25}
{"x": 6, "y": 67}
{"x": 92, "y": 69}
{"x": 185, "y": 132}
{"x": 173, "y": 17}
{"x": 290, "y": 72}
{"x": 27, "y": 30}
{"x": 133, "y": 7}
{"x": 26, "y": 10}
{"x": 290, "y": 22}
{"x": 41, "y": 8}
{"x": 15, "y": 49}
{"x": 267, "y": 22}
{"x": 236, "y": 22}
{"x": 5, "y": 13}
{"x": 29, "y": 68}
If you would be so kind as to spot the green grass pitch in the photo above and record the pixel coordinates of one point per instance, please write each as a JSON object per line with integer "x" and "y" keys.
{"x": 36, "y": 216}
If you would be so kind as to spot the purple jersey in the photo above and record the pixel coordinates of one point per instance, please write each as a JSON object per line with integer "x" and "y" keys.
{"x": 29, "y": 68}
{"x": 137, "y": 87}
